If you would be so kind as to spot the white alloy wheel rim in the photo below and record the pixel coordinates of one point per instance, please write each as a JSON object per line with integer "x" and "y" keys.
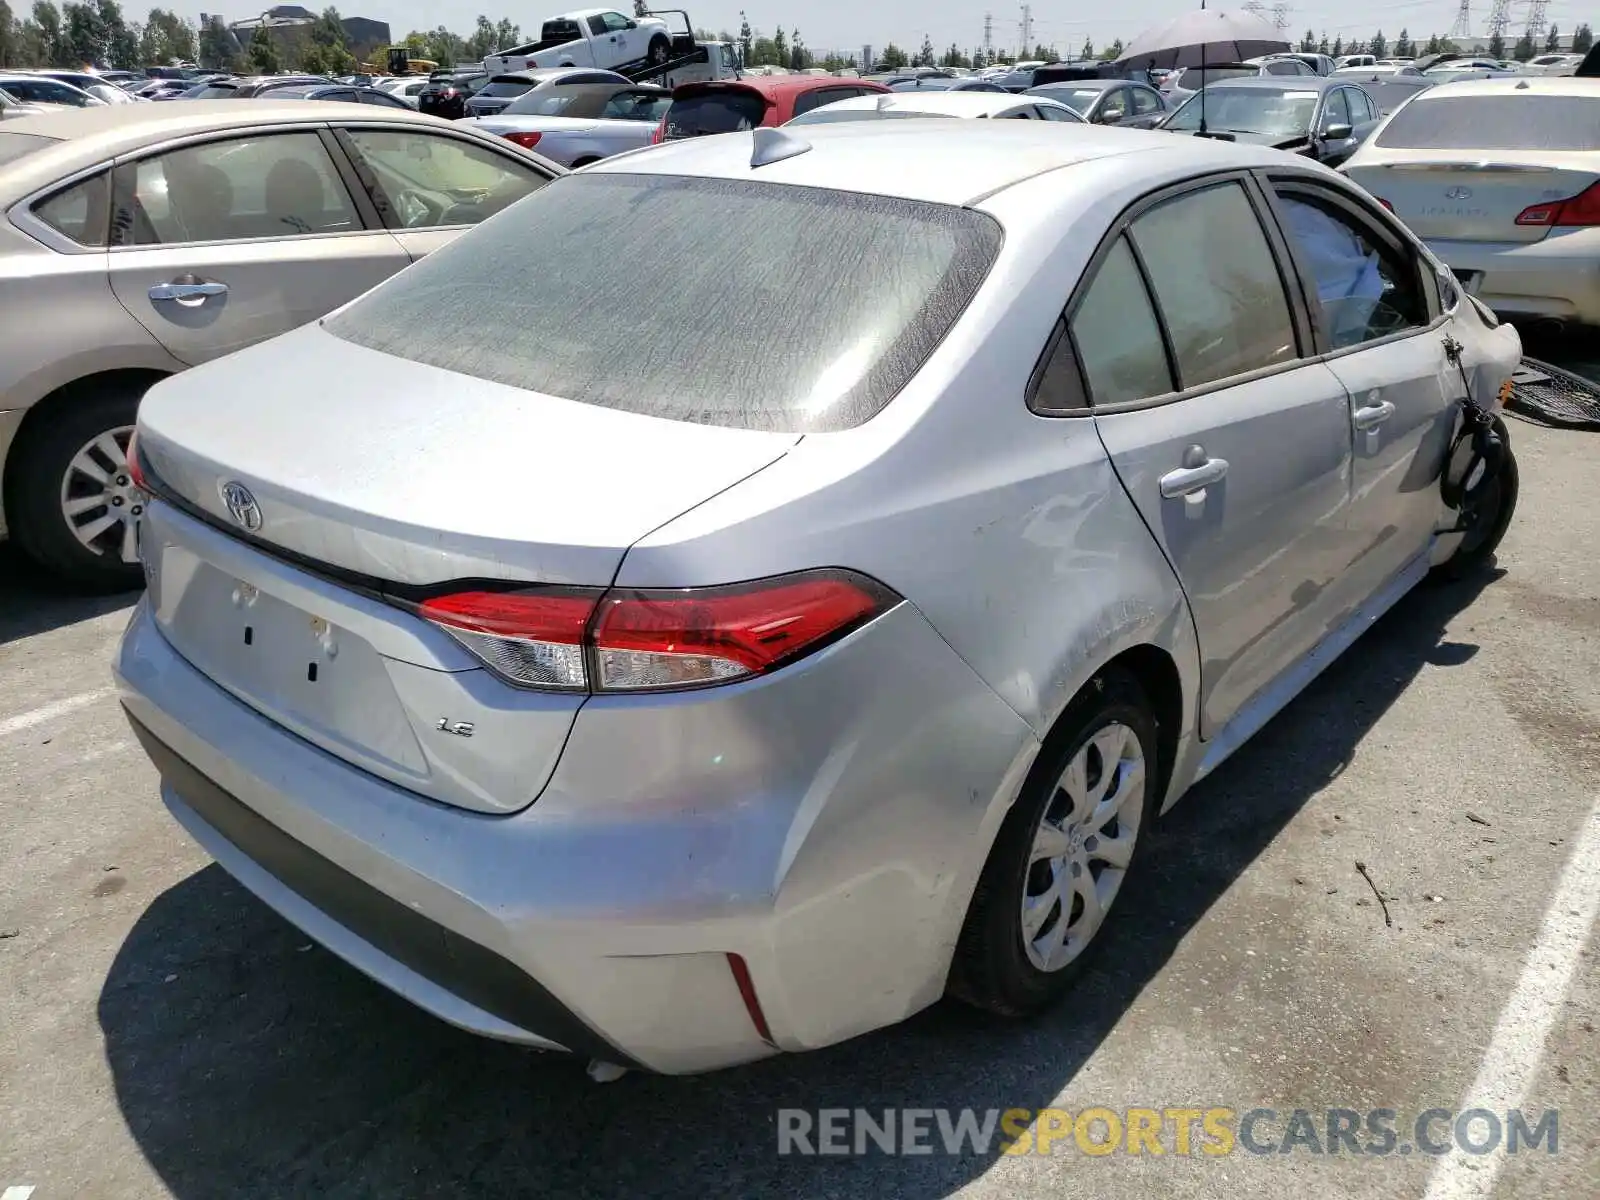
{"x": 1082, "y": 847}
{"x": 99, "y": 501}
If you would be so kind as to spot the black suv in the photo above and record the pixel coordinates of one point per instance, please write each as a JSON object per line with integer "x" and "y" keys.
{"x": 447, "y": 92}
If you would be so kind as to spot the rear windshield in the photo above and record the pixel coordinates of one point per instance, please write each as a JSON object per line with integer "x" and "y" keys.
{"x": 1195, "y": 78}
{"x": 551, "y": 102}
{"x": 15, "y": 145}
{"x": 211, "y": 92}
{"x": 506, "y": 87}
{"x": 1390, "y": 96}
{"x": 715, "y": 301}
{"x": 1508, "y": 122}
{"x": 726, "y": 110}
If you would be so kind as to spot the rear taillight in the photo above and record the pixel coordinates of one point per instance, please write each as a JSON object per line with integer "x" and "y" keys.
{"x": 135, "y": 471}
{"x": 1384, "y": 202}
{"x": 526, "y": 140}
{"x": 1582, "y": 209}
{"x": 631, "y": 640}
{"x": 660, "y": 135}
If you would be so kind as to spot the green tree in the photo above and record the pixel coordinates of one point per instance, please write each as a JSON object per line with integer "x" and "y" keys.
{"x": 166, "y": 38}
{"x": 1088, "y": 48}
{"x": 482, "y": 40}
{"x": 444, "y": 47}
{"x": 1524, "y": 49}
{"x": 507, "y": 33}
{"x": 121, "y": 39}
{"x": 262, "y": 54}
{"x": 1582, "y": 39}
{"x": 834, "y": 62}
{"x": 747, "y": 37}
{"x": 925, "y": 56}
{"x": 83, "y": 35}
{"x": 1552, "y": 40}
{"x": 1308, "y": 44}
{"x": 327, "y": 53}
{"x": 1433, "y": 44}
{"x": 48, "y": 35}
{"x": 9, "y": 36}
{"x": 893, "y": 58}
{"x": 1497, "y": 47}
{"x": 1404, "y": 47}
{"x": 217, "y": 47}
{"x": 799, "y": 56}
{"x": 1322, "y": 43}
{"x": 1114, "y": 51}
{"x": 1338, "y": 47}
{"x": 780, "y": 48}
{"x": 1380, "y": 45}
{"x": 763, "y": 53}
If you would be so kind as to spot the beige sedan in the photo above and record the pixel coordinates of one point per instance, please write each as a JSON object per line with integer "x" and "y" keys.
{"x": 138, "y": 240}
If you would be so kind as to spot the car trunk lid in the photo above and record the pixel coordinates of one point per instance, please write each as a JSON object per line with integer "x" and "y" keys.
{"x": 1446, "y": 195}
{"x": 303, "y": 518}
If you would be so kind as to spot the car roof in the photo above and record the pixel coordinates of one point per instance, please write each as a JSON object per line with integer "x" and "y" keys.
{"x": 86, "y": 136}
{"x": 1283, "y": 83}
{"x": 1535, "y": 85}
{"x": 954, "y": 104}
{"x": 1079, "y": 85}
{"x": 911, "y": 159}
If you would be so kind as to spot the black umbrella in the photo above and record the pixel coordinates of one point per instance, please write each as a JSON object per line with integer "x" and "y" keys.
{"x": 1204, "y": 35}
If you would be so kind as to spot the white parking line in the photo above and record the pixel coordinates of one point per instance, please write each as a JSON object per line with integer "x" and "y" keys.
{"x": 1525, "y": 1022}
{"x": 50, "y": 712}
{"x": 19, "y": 1191}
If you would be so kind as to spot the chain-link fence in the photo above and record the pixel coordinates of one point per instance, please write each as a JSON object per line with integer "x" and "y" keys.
{"x": 1549, "y": 395}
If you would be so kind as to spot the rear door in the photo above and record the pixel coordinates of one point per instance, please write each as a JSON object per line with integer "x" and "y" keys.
{"x": 1233, "y": 443}
{"x": 220, "y": 243}
{"x": 428, "y": 186}
{"x": 1378, "y": 320}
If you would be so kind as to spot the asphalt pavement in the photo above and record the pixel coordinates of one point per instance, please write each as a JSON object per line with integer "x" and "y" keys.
{"x": 162, "y": 1034}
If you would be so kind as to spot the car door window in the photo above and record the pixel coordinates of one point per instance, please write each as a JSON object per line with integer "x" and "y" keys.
{"x": 614, "y": 22}
{"x": 279, "y": 185}
{"x": 597, "y": 25}
{"x": 1117, "y": 336}
{"x": 1216, "y": 284}
{"x": 1058, "y": 112}
{"x": 1145, "y": 102}
{"x": 1365, "y": 288}
{"x": 1336, "y": 111}
{"x": 1114, "y": 107}
{"x": 806, "y": 101}
{"x": 1361, "y": 110}
{"x": 1021, "y": 114}
{"x": 636, "y": 106}
{"x": 421, "y": 180}
{"x": 80, "y": 212}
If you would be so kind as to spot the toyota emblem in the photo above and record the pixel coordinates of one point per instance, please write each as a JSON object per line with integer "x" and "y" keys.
{"x": 1459, "y": 193}
{"x": 242, "y": 506}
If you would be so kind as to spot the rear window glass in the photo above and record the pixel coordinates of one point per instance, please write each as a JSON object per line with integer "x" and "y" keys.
{"x": 1508, "y": 122}
{"x": 506, "y": 87}
{"x": 723, "y": 111}
{"x": 15, "y": 145}
{"x": 550, "y": 103}
{"x": 828, "y": 115}
{"x": 1195, "y": 78}
{"x": 720, "y": 302}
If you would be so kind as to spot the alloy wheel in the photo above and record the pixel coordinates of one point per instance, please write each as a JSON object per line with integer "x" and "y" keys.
{"x": 99, "y": 501}
{"x": 1082, "y": 847}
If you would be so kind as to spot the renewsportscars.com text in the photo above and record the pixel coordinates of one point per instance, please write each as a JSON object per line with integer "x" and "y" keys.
{"x": 1202, "y": 1131}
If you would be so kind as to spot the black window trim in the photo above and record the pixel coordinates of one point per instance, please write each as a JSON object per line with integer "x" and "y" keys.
{"x": 350, "y": 158}
{"x": 1306, "y": 348}
{"x": 1366, "y": 216}
{"x": 119, "y": 167}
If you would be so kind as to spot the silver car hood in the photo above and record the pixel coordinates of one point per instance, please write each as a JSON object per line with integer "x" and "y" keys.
{"x": 416, "y": 475}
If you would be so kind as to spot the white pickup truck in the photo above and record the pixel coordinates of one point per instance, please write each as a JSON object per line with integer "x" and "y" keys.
{"x": 593, "y": 37}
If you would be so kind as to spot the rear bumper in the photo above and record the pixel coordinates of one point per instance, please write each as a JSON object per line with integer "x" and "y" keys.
{"x": 833, "y": 849}
{"x": 1558, "y": 277}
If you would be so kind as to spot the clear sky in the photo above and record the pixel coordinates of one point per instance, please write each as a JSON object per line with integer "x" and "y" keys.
{"x": 849, "y": 24}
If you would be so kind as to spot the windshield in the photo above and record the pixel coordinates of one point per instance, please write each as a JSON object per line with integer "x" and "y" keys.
{"x": 1079, "y": 100}
{"x": 1265, "y": 111}
{"x": 720, "y": 110}
{"x": 1504, "y": 122}
{"x": 716, "y": 301}
{"x": 829, "y": 114}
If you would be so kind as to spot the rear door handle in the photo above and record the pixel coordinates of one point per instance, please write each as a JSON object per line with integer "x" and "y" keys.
{"x": 190, "y": 294}
{"x": 1191, "y": 479}
{"x": 1373, "y": 415}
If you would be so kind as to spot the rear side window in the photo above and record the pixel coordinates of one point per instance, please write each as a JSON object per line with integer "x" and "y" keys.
{"x": 1217, "y": 283}
{"x": 722, "y": 110}
{"x": 1117, "y": 335}
{"x": 721, "y": 302}
{"x": 1509, "y": 122}
{"x": 81, "y": 212}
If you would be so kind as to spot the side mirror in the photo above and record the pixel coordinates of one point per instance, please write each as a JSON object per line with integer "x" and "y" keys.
{"x": 1107, "y": 118}
{"x": 1337, "y": 132}
{"x": 632, "y": 25}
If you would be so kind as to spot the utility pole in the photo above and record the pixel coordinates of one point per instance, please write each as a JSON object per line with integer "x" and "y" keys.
{"x": 1463, "y": 26}
{"x": 1026, "y": 29}
{"x": 1280, "y": 17}
{"x": 988, "y": 39}
{"x": 1537, "y": 22}
{"x": 1499, "y": 19}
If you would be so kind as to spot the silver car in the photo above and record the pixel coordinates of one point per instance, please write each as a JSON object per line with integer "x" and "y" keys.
{"x": 579, "y": 124}
{"x": 155, "y": 237}
{"x": 709, "y": 644}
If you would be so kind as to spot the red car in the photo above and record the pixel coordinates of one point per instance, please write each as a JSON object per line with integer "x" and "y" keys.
{"x": 728, "y": 106}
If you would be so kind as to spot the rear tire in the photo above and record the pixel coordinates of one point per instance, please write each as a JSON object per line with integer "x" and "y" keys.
{"x": 660, "y": 50}
{"x": 1003, "y": 961}
{"x": 60, "y": 467}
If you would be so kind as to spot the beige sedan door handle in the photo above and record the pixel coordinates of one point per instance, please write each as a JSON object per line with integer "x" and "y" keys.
{"x": 191, "y": 293}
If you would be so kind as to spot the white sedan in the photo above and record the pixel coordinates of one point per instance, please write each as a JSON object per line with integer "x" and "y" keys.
{"x": 980, "y": 105}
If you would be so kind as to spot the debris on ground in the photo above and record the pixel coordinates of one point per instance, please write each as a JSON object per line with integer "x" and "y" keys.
{"x": 1388, "y": 921}
{"x": 1476, "y": 819}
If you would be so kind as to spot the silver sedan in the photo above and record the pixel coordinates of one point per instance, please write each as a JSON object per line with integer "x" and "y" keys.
{"x": 579, "y": 124}
{"x": 781, "y": 578}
